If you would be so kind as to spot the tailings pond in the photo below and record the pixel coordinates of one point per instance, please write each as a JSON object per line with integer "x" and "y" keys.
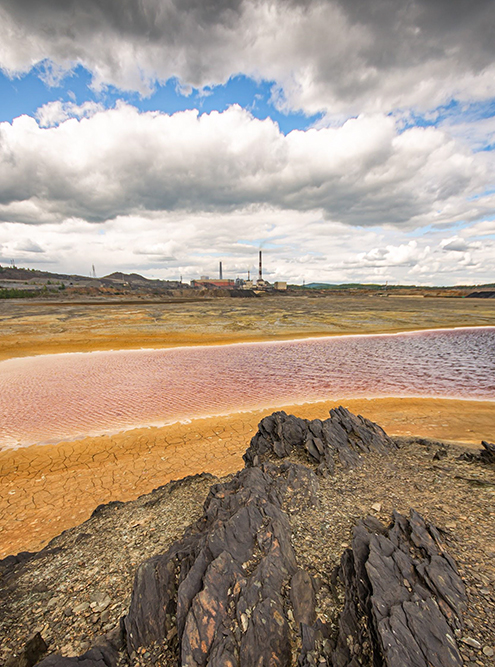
{"x": 66, "y": 396}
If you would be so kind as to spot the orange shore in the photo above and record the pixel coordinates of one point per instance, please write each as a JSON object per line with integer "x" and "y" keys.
{"x": 47, "y": 489}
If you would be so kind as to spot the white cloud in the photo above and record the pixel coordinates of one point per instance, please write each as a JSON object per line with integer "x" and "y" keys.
{"x": 483, "y": 228}
{"x": 458, "y": 244}
{"x": 121, "y": 162}
{"x": 171, "y": 193}
{"x": 406, "y": 254}
{"x": 54, "y": 113}
{"x": 340, "y": 57}
{"x": 297, "y": 246}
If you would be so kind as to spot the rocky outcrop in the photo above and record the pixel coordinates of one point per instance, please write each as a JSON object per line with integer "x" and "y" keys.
{"x": 403, "y": 597}
{"x": 218, "y": 592}
{"x": 485, "y": 455}
{"x": 31, "y": 653}
{"x": 343, "y": 438}
{"x": 104, "y": 653}
{"x": 230, "y": 593}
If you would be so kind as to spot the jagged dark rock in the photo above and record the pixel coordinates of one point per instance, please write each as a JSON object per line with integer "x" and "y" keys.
{"x": 104, "y": 653}
{"x": 403, "y": 597}
{"x": 302, "y": 597}
{"x": 342, "y": 438}
{"x": 30, "y": 654}
{"x": 220, "y": 587}
{"x": 485, "y": 455}
{"x": 230, "y": 593}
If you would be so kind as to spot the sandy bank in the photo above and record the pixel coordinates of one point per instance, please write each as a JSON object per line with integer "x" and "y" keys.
{"x": 45, "y": 490}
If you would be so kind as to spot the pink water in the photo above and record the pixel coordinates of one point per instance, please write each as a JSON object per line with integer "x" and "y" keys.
{"x": 59, "y": 397}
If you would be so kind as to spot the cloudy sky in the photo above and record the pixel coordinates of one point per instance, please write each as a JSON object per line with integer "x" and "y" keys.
{"x": 354, "y": 140}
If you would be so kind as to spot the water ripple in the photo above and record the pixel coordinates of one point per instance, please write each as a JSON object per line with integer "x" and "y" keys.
{"x": 54, "y": 397}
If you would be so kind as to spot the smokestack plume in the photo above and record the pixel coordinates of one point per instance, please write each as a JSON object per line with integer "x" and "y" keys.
{"x": 220, "y": 271}
{"x": 261, "y": 267}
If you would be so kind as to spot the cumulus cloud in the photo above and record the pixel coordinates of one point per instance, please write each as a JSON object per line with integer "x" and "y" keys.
{"x": 406, "y": 254}
{"x": 54, "y": 113}
{"x": 298, "y": 246}
{"x": 340, "y": 56}
{"x": 457, "y": 244}
{"x": 103, "y": 164}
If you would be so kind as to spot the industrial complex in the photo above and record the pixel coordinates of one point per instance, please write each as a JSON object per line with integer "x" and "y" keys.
{"x": 259, "y": 285}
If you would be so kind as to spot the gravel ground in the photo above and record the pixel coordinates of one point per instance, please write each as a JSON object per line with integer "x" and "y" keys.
{"x": 439, "y": 490}
{"x": 80, "y": 585}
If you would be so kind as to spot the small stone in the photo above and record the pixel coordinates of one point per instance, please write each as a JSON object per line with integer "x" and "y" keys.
{"x": 471, "y": 642}
{"x": 105, "y": 616}
{"x": 488, "y": 651}
{"x": 81, "y": 607}
{"x": 377, "y": 507}
{"x": 244, "y": 622}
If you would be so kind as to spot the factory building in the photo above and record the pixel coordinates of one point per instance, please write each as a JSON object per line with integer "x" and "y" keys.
{"x": 217, "y": 283}
{"x": 257, "y": 285}
{"x": 210, "y": 283}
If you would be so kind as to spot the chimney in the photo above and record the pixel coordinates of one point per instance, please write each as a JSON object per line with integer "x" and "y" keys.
{"x": 221, "y": 272}
{"x": 261, "y": 268}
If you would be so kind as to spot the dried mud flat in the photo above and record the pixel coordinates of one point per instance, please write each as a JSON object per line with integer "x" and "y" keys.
{"x": 80, "y": 585}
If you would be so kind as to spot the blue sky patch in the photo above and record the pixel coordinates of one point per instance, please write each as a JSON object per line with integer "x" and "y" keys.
{"x": 24, "y": 95}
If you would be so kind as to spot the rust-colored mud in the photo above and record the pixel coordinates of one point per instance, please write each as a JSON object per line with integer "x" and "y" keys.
{"x": 45, "y": 490}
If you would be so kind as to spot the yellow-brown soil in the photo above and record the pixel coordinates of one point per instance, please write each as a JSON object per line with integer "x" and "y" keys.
{"x": 45, "y": 490}
{"x": 28, "y": 328}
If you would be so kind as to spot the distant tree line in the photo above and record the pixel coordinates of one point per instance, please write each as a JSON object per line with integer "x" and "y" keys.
{"x": 17, "y": 293}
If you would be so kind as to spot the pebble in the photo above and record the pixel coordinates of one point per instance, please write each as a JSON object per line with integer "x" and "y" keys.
{"x": 377, "y": 507}
{"x": 471, "y": 642}
{"x": 488, "y": 651}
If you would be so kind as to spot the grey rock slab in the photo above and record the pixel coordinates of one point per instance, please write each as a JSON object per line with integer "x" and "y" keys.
{"x": 342, "y": 438}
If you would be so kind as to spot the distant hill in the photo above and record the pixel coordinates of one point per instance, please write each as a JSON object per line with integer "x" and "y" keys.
{"x": 13, "y": 273}
{"x": 118, "y": 276}
{"x": 139, "y": 281}
{"x": 344, "y": 286}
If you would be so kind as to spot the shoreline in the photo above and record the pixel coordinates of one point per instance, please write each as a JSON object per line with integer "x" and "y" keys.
{"x": 290, "y": 408}
{"x": 197, "y": 341}
{"x": 47, "y": 489}
{"x": 232, "y": 412}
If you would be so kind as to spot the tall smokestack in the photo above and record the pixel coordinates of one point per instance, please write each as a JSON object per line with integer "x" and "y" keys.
{"x": 220, "y": 271}
{"x": 261, "y": 267}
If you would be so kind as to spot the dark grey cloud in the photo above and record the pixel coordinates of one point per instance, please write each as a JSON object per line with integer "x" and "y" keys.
{"x": 331, "y": 55}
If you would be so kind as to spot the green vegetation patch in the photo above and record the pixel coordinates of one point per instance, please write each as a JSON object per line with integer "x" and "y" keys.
{"x": 17, "y": 293}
